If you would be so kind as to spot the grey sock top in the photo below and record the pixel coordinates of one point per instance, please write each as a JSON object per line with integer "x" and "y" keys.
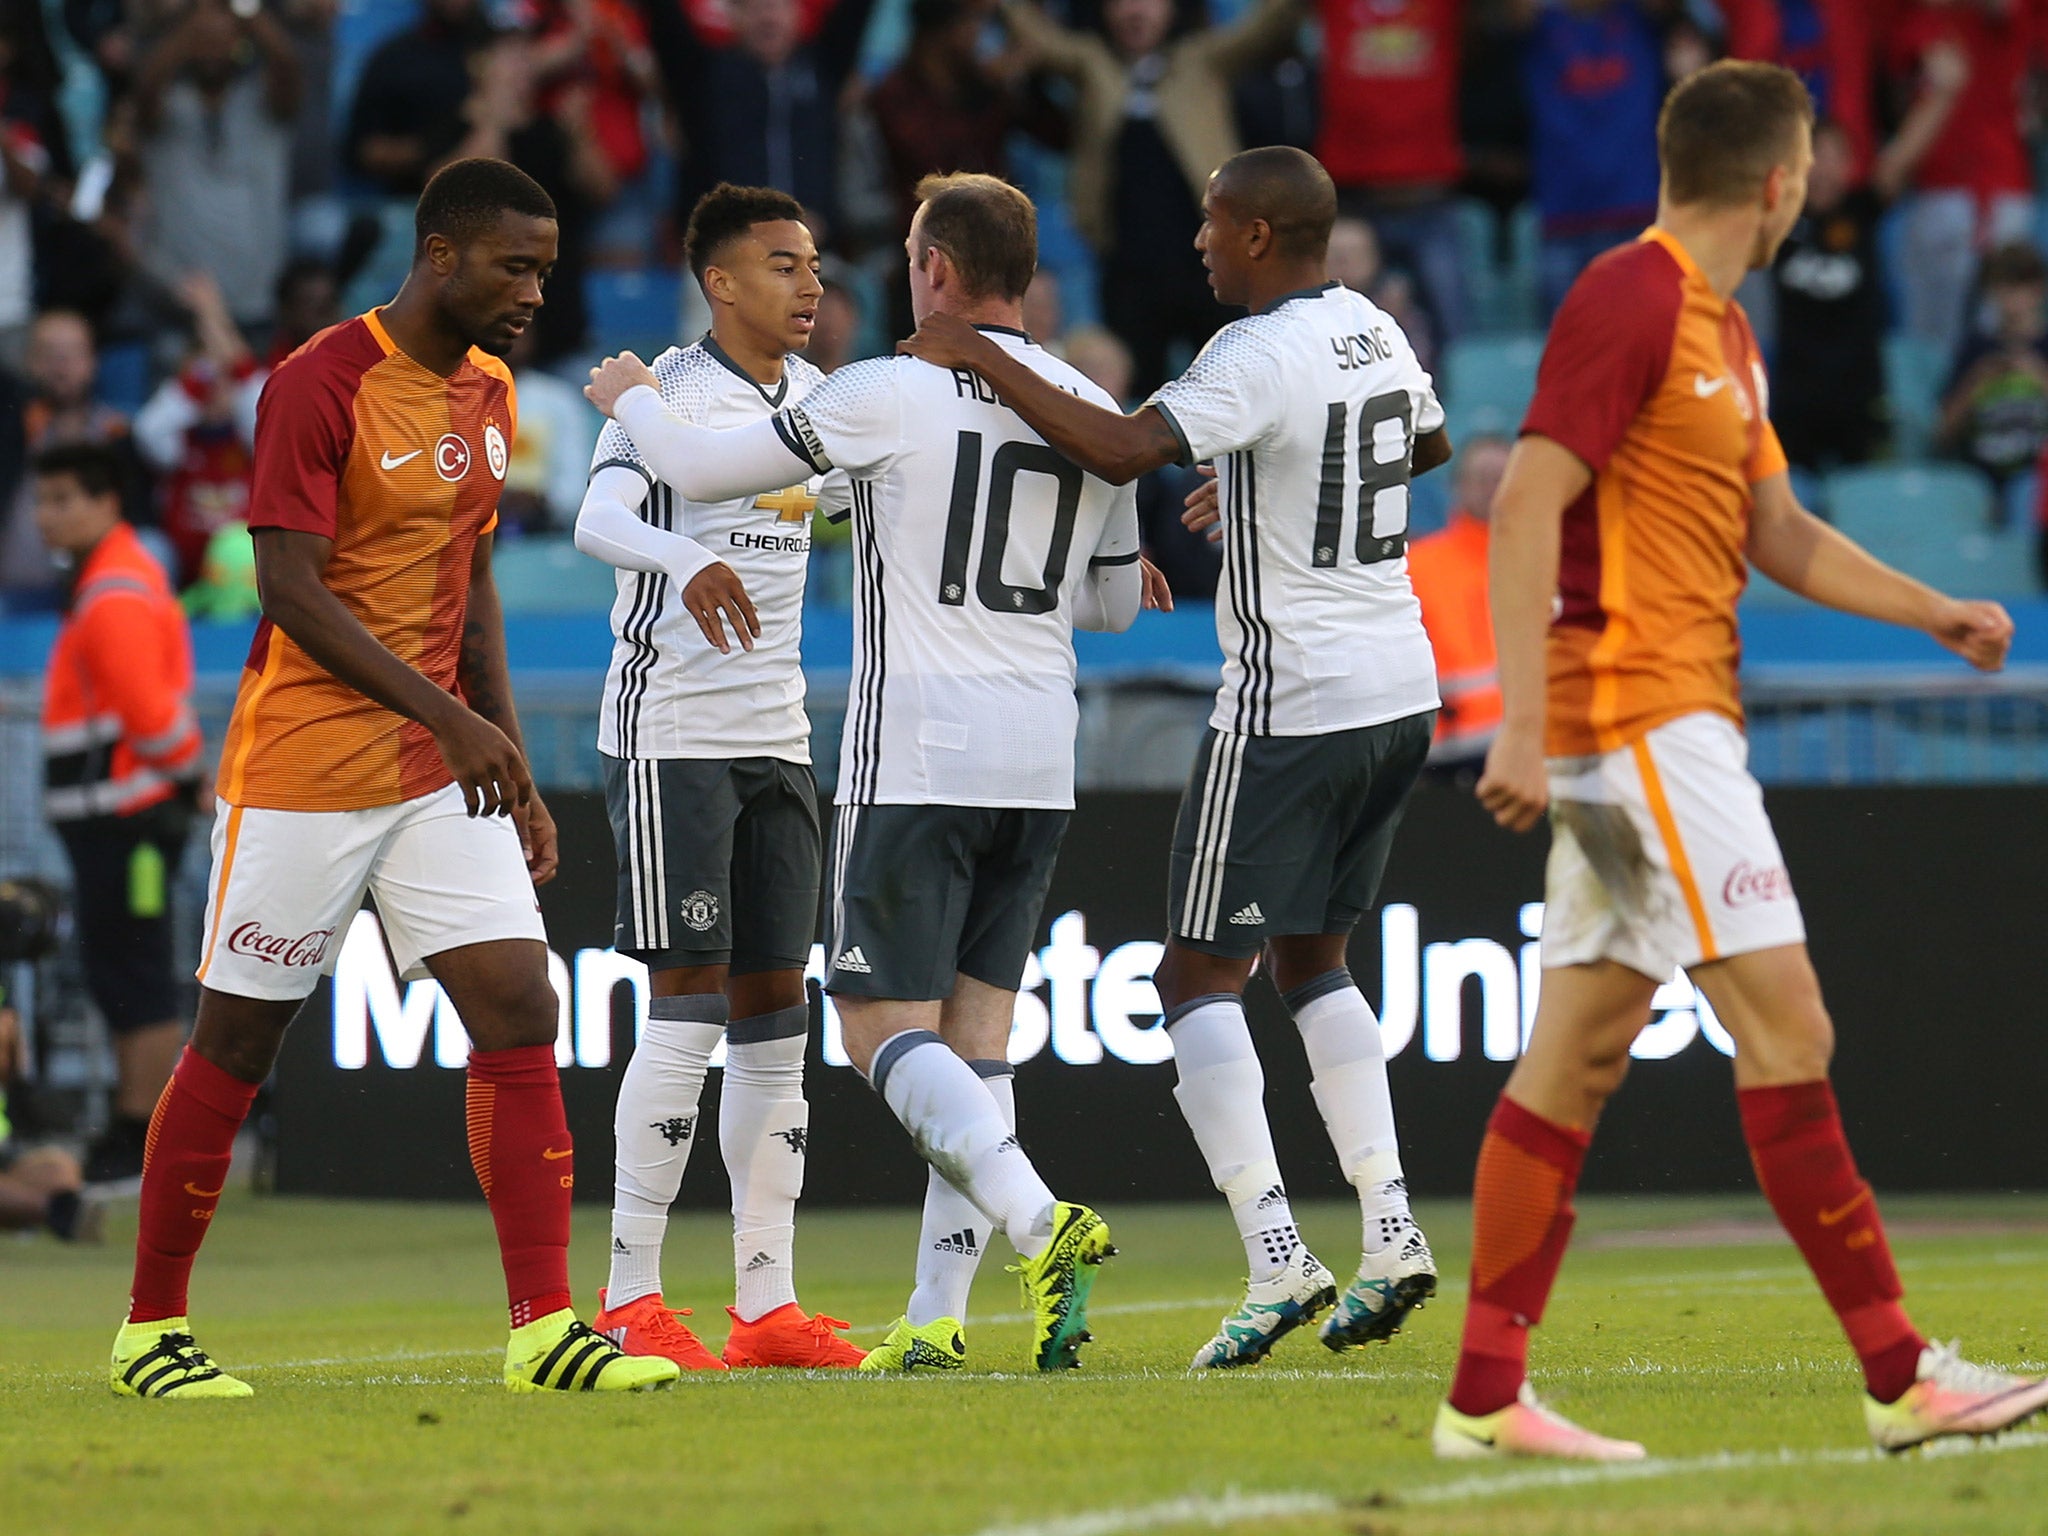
{"x": 696, "y": 1007}
{"x": 984, "y": 1067}
{"x": 1318, "y": 986}
{"x": 1175, "y": 1015}
{"x": 894, "y": 1050}
{"x": 782, "y": 1024}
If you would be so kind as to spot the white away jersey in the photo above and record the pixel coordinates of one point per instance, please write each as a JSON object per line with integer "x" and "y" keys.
{"x": 668, "y": 692}
{"x": 969, "y": 537}
{"x": 1309, "y": 410}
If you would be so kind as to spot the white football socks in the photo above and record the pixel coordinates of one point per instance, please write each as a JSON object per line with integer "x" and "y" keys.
{"x": 1222, "y": 1093}
{"x": 653, "y": 1127}
{"x": 1342, "y": 1038}
{"x": 953, "y": 1119}
{"x": 763, "y": 1130}
{"x": 954, "y": 1233}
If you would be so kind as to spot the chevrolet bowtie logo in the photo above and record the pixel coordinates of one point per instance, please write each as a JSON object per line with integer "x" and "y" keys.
{"x": 789, "y": 506}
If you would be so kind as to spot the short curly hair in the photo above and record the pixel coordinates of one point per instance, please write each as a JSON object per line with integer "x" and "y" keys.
{"x": 725, "y": 214}
{"x": 467, "y": 197}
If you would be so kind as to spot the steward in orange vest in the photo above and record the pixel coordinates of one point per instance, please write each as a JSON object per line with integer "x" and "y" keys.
{"x": 1448, "y": 572}
{"x": 121, "y": 766}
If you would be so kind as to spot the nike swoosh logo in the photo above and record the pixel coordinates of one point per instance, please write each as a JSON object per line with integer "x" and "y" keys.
{"x": 553, "y": 1156}
{"x": 392, "y": 461}
{"x": 1707, "y": 388}
{"x": 1836, "y": 1218}
{"x": 203, "y": 1194}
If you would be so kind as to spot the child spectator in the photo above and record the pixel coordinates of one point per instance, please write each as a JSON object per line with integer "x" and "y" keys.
{"x": 1994, "y": 413}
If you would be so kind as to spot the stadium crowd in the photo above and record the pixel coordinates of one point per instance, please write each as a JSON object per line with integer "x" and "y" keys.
{"x": 193, "y": 187}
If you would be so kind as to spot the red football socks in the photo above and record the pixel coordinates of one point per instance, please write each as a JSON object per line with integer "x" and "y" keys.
{"x": 184, "y": 1168}
{"x": 1521, "y": 1219}
{"x": 519, "y": 1145}
{"x": 1803, "y": 1162}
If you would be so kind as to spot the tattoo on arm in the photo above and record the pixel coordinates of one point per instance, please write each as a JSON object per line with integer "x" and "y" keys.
{"x": 481, "y": 671}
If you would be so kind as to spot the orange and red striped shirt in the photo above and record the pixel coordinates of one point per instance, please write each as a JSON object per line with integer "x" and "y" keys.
{"x": 1657, "y": 384}
{"x": 402, "y": 469}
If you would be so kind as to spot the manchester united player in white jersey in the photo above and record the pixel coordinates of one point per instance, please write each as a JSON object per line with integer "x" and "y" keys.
{"x": 1316, "y": 413}
{"x": 978, "y": 550}
{"x": 706, "y": 751}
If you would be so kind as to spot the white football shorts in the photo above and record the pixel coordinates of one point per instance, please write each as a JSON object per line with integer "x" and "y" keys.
{"x": 1661, "y": 854}
{"x": 285, "y": 885}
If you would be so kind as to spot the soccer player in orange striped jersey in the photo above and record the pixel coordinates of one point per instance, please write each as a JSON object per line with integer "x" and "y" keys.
{"x": 1647, "y": 481}
{"x": 374, "y": 748}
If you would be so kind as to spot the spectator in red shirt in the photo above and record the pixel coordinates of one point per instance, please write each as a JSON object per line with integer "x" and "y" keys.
{"x": 945, "y": 108}
{"x": 1390, "y": 132}
{"x": 1828, "y": 44}
{"x": 198, "y": 431}
{"x": 1975, "y": 186}
{"x": 597, "y": 68}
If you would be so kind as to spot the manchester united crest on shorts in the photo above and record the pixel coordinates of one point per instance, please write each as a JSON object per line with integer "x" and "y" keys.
{"x": 699, "y": 911}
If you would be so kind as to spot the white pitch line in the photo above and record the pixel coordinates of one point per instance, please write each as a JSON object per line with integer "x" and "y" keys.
{"x": 1233, "y": 1506}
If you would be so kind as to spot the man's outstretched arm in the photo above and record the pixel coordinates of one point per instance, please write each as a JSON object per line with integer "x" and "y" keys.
{"x": 701, "y": 463}
{"x": 1799, "y": 551}
{"x": 1106, "y": 443}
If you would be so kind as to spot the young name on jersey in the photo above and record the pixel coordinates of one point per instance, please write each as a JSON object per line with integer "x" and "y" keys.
{"x": 1310, "y": 410}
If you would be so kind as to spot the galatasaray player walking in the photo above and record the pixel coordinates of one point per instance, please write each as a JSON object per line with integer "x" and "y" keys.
{"x": 1647, "y": 471}
{"x": 374, "y": 747}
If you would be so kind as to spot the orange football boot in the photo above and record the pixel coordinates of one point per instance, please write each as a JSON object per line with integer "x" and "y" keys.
{"x": 788, "y": 1338}
{"x": 648, "y": 1326}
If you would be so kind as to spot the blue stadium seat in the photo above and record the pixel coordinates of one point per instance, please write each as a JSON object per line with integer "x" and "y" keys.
{"x": 1501, "y": 294}
{"x": 549, "y": 575}
{"x": 1928, "y": 503}
{"x": 632, "y": 308}
{"x": 1913, "y": 375}
{"x": 1972, "y": 562}
{"x": 1492, "y": 373}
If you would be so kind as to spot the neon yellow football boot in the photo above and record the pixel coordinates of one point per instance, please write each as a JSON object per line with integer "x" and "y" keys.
{"x": 160, "y": 1360}
{"x": 1057, "y": 1283}
{"x": 557, "y": 1353}
{"x": 939, "y": 1345}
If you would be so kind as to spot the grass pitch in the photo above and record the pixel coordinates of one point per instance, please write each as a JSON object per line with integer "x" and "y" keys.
{"x": 372, "y": 1335}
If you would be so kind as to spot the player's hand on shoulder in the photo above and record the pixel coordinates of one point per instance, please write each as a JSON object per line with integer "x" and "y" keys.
{"x": 1516, "y": 785}
{"x": 613, "y": 377}
{"x": 1204, "y": 507}
{"x": 716, "y": 597}
{"x": 490, "y": 769}
{"x": 945, "y": 341}
{"x": 1158, "y": 594}
{"x": 1979, "y": 632}
{"x": 537, "y": 839}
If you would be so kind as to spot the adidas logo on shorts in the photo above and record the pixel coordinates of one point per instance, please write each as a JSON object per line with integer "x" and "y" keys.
{"x": 853, "y": 961}
{"x": 961, "y": 1242}
{"x": 1248, "y": 916}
